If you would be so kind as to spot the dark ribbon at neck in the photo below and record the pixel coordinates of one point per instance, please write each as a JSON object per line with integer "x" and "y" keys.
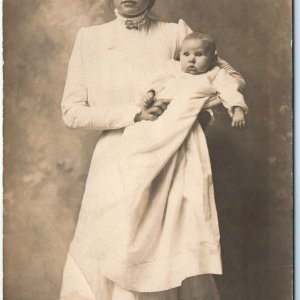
{"x": 130, "y": 25}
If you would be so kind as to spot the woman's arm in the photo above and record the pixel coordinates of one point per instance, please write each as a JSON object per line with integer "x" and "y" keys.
{"x": 76, "y": 111}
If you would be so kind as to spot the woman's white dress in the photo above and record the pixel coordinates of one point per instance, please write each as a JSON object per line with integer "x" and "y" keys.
{"x": 108, "y": 67}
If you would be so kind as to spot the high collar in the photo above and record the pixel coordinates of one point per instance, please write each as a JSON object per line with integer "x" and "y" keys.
{"x": 134, "y": 22}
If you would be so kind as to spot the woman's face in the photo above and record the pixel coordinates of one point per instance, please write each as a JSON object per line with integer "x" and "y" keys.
{"x": 131, "y": 8}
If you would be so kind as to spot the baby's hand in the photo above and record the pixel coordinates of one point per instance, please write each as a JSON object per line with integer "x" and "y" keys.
{"x": 148, "y": 99}
{"x": 238, "y": 118}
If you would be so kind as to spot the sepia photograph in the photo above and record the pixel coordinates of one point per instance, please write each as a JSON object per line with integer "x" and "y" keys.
{"x": 148, "y": 150}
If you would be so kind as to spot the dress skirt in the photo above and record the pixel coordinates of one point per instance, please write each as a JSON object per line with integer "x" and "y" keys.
{"x": 201, "y": 287}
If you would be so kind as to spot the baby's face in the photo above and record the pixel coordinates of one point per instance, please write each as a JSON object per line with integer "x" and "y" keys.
{"x": 196, "y": 56}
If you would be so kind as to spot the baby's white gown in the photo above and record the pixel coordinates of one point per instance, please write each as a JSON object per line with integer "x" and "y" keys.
{"x": 108, "y": 66}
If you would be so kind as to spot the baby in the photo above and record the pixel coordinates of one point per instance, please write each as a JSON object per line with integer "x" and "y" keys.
{"x": 198, "y": 57}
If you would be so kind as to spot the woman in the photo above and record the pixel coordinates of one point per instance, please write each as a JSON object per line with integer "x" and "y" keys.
{"x": 108, "y": 65}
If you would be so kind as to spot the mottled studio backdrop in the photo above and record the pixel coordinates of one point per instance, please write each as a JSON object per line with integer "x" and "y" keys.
{"x": 46, "y": 164}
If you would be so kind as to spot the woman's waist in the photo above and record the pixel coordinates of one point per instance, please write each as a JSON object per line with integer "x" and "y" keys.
{"x": 109, "y": 141}
{"x": 110, "y": 136}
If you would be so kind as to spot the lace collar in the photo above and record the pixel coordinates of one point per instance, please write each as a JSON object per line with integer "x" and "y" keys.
{"x": 133, "y": 23}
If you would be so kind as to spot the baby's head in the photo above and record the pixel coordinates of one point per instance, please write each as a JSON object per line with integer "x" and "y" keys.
{"x": 198, "y": 53}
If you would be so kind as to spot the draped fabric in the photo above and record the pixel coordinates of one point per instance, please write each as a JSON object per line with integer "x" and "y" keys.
{"x": 163, "y": 199}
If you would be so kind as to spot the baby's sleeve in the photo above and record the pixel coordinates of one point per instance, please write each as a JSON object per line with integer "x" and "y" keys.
{"x": 228, "y": 90}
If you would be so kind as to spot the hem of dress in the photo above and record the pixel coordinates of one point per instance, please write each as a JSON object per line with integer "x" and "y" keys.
{"x": 150, "y": 277}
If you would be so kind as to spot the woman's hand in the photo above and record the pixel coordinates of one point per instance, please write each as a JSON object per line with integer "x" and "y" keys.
{"x": 148, "y": 99}
{"x": 152, "y": 113}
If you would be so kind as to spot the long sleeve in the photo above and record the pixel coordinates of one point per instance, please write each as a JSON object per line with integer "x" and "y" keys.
{"x": 76, "y": 111}
{"x": 183, "y": 31}
{"x": 228, "y": 90}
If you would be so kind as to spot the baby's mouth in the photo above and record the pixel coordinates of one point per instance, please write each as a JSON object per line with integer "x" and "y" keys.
{"x": 192, "y": 68}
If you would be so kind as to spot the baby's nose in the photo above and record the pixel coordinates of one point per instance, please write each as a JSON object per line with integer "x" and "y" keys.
{"x": 192, "y": 58}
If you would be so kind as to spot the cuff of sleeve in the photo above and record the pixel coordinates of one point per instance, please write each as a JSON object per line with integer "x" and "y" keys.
{"x": 113, "y": 117}
{"x": 244, "y": 107}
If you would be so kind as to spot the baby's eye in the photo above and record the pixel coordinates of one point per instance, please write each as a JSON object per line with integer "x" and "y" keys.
{"x": 186, "y": 54}
{"x": 198, "y": 54}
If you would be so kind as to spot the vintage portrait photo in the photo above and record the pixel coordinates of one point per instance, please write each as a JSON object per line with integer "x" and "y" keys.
{"x": 148, "y": 150}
